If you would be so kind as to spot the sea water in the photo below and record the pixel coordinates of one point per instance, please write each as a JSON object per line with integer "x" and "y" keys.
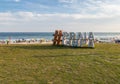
{"x": 25, "y": 35}
{"x": 49, "y": 35}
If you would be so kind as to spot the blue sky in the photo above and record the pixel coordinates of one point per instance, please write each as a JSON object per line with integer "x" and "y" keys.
{"x": 68, "y": 15}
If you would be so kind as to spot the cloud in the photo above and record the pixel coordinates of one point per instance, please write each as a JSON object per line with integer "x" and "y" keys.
{"x": 56, "y": 17}
{"x": 29, "y": 16}
{"x": 84, "y": 15}
{"x": 66, "y": 1}
{"x": 32, "y": 21}
{"x": 106, "y": 7}
{"x": 110, "y": 8}
{"x": 17, "y": 0}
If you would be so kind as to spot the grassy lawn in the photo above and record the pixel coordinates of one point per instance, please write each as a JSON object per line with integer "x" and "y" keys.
{"x": 46, "y": 64}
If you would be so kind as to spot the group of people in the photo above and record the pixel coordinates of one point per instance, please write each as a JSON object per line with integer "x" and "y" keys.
{"x": 23, "y": 41}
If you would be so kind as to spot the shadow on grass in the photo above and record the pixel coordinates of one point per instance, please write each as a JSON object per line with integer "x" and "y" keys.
{"x": 59, "y": 55}
{"x": 33, "y": 47}
{"x": 68, "y": 55}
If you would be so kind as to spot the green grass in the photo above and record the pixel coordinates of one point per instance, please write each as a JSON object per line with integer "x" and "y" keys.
{"x": 47, "y": 64}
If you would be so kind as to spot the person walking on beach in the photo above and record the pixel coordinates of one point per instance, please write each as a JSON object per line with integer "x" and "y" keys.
{"x": 7, "y": 42}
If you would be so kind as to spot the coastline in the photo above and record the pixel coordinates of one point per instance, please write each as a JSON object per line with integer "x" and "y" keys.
{"x": 26, "y": 42}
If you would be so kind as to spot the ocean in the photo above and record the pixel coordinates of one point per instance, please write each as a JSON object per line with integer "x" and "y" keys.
{"x": 49, "y": 35}
{"x": 26, "y": 35}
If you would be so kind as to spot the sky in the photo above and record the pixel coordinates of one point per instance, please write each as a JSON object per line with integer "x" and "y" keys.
{"x": 67, "y": 15}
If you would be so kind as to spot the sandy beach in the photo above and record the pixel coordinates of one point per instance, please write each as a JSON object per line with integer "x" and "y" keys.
{"x": 26, "y": 42}
{"x": 32, "y": 43}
